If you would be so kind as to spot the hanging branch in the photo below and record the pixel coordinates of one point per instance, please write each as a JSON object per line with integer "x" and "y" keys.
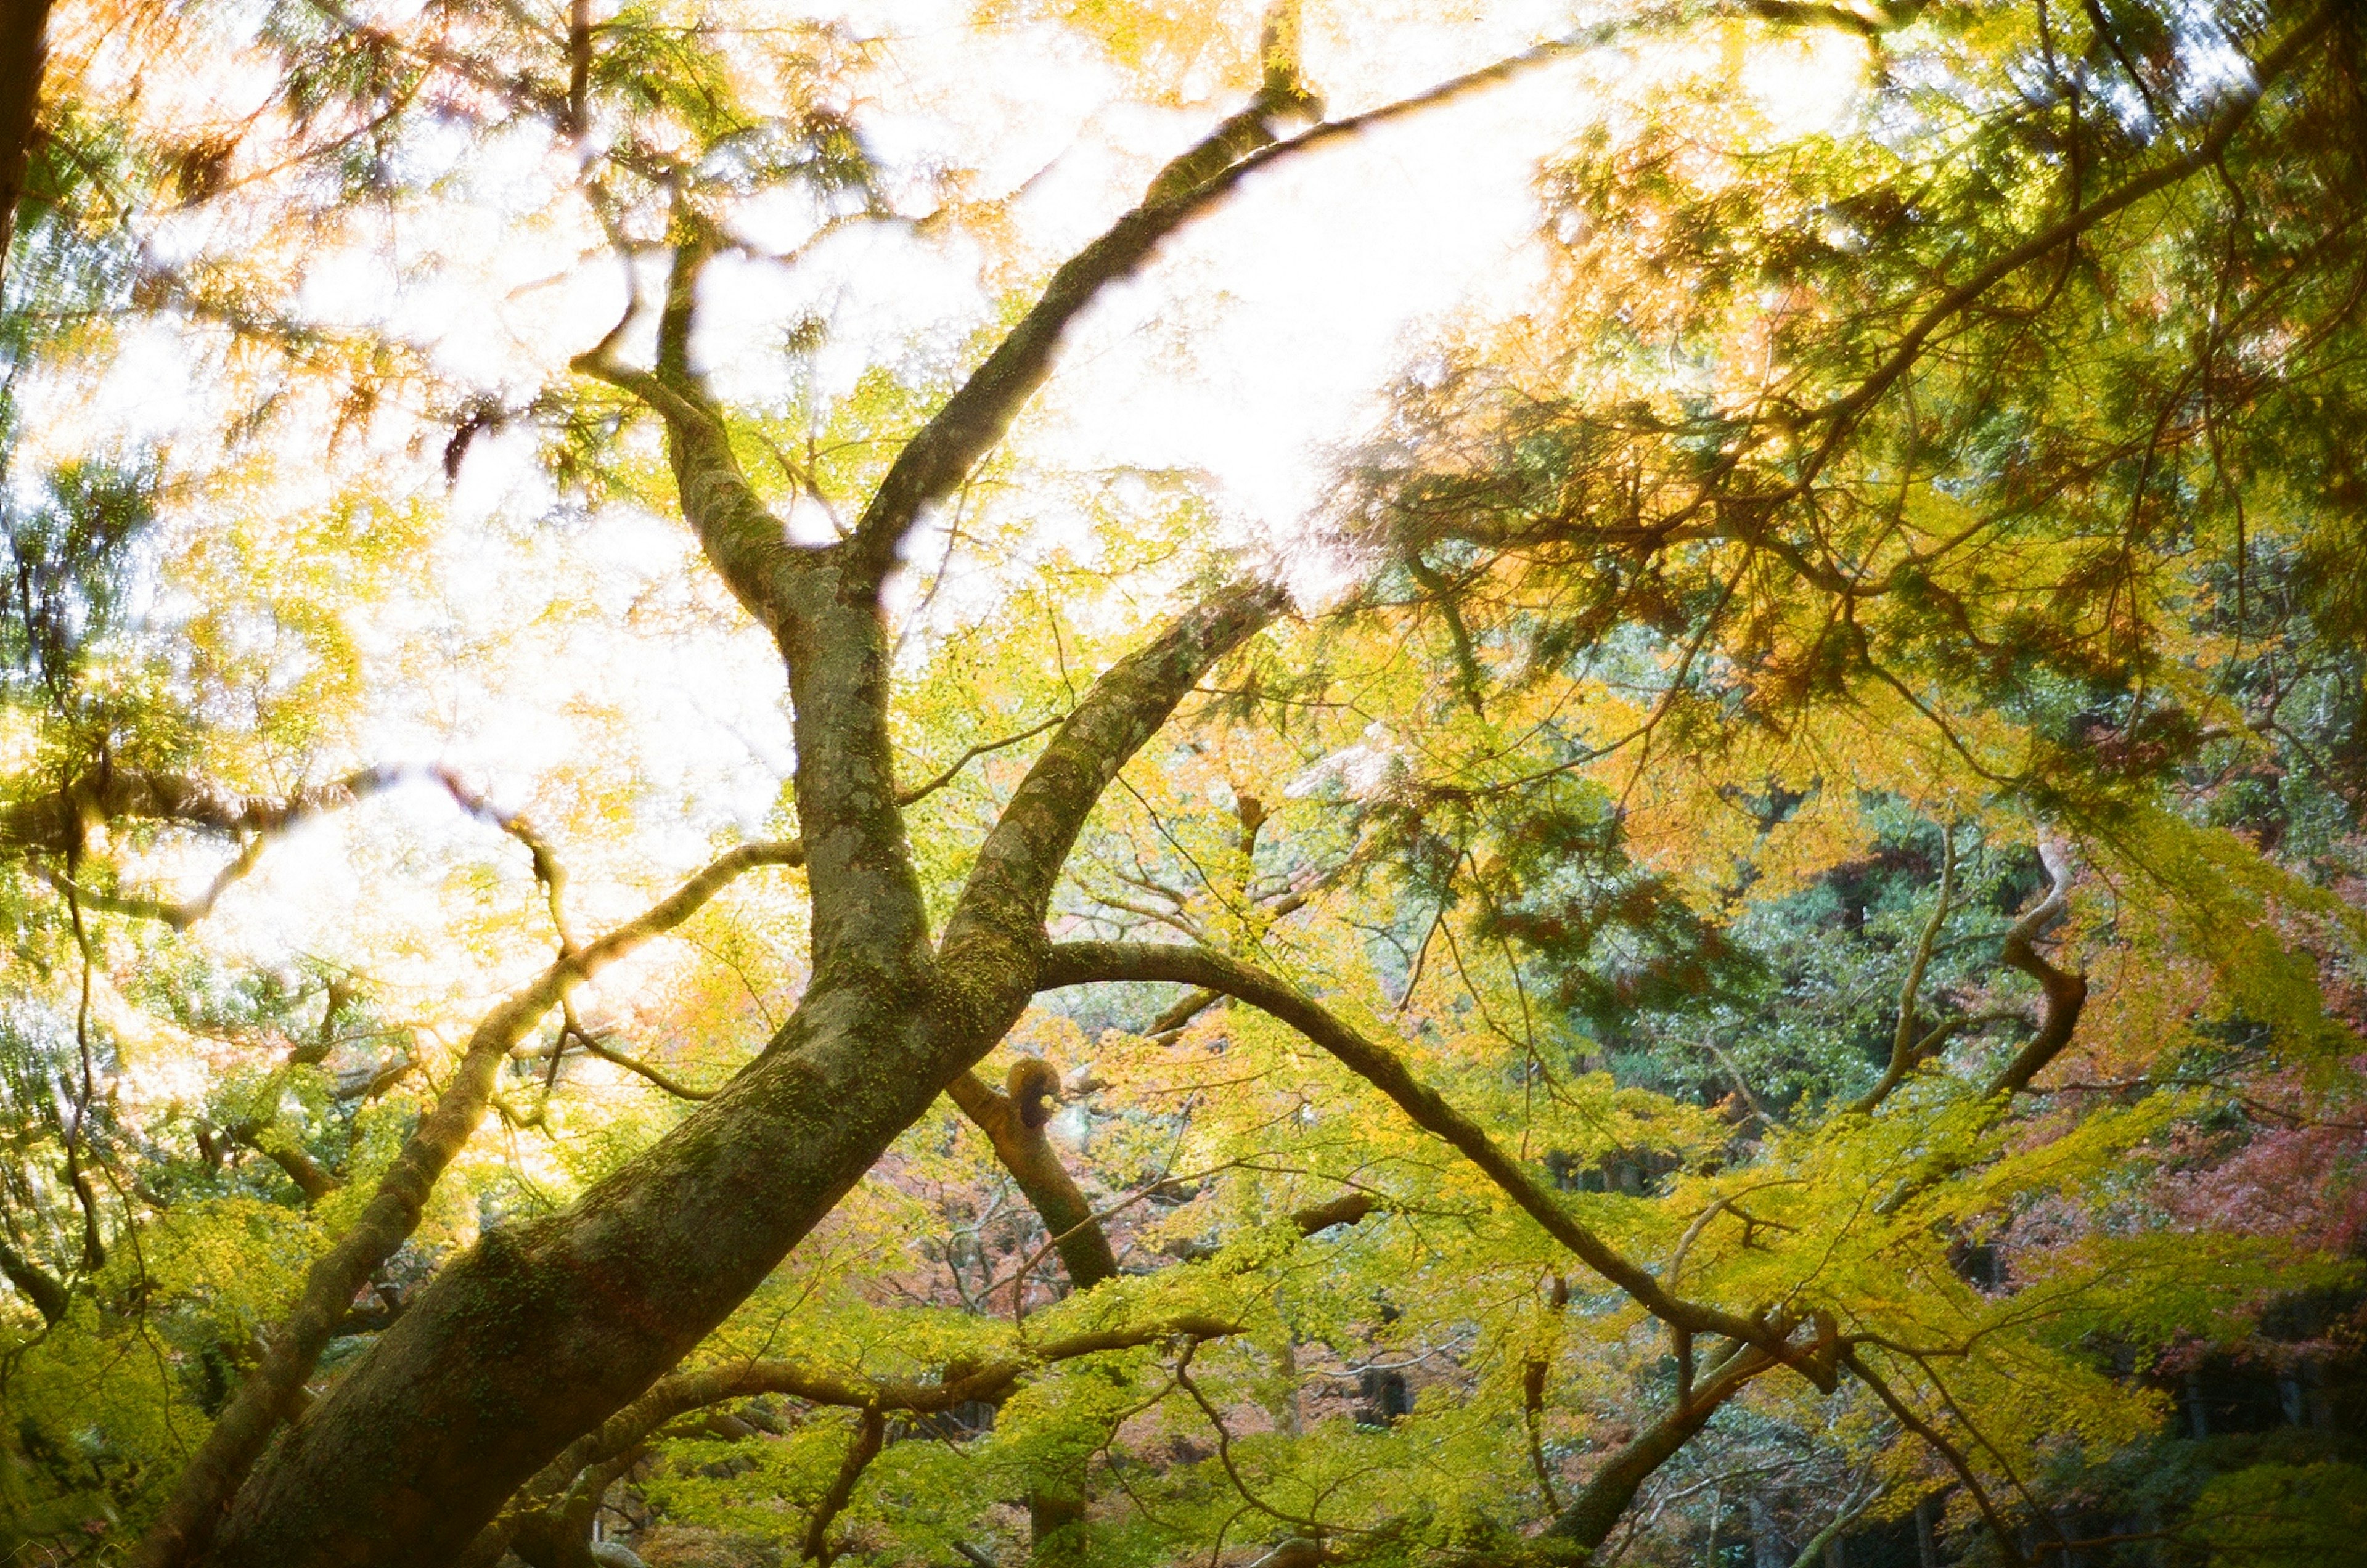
{"x": 1073, "y": 964}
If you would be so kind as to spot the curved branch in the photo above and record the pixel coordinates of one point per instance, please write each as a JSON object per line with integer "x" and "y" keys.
{"x": 1020, "y": 1144}
{"x": 987, "y": 748}
{"x": 48, "y": 1296}
{"x": 1182, "y": 1375}
{"x": 1813, "y": 1554}
{"x": 302, "y": 1168}
{"x": 745, "y": 543}
{"x": 546, "y": 869}
{"x": 59, "y": 821}
{"x": 2067, "y": 994}
{"x": 1186, "y": 1008}
{"x": 673, "y": 1087}
{"x": 591, "y": 1043}
{"x": 934, "y": 463}
{"x": 1076, "y": 963}
{"x": 859, "y": 1455}
{"x": 180, "y": 917}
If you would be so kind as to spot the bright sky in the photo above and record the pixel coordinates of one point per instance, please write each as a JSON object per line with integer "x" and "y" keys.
{"x": 535, "y": 644}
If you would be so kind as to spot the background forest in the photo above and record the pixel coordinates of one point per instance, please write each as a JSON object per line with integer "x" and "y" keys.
{"x": 1084, "y": 781}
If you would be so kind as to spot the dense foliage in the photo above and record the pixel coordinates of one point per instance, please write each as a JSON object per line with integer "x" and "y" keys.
{"x": 1747, "y": 944}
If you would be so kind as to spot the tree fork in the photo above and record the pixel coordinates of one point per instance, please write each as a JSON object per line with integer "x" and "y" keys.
{"x": 538, "y": 1334}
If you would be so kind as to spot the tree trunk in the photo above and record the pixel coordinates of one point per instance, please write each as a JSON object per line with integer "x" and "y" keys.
{"x": 24, "y": 60}
{"x": 543, "y": 1330}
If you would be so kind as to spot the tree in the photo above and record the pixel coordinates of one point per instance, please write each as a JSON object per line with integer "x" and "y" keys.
{"x": 1951, "y": 481}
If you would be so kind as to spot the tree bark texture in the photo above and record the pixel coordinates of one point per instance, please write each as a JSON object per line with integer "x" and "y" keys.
{"x": 24, "y": 60}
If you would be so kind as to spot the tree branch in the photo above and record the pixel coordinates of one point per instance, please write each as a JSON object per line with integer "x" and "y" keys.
{"x": 681, "y": 1392}
{"x": 58, "y": 821}
{"x": 1013, "y": 1122}
{"x": 673, "y": 1087}
{"x": 741, "y": 537}
{"x": 302, "y": 1169}
{"x": 48, "y": 1296}
{"x": 998, "y": 921}
{"x": 859, "y": 1455}
{"x": 1904, "y": 1045}
{"x": 1076, "y": 963}
{"x": 934, "y": 463}
{"x": 1812, "y": 1554}
{"x": 2067, "y": 994}
{"x": 1592, "y": 1515}
{"x": 1940, "y": 1444}
{"x": 912, "y": 796}
{"x": 1186, "y": 1008}
{"x": 2204, "y": 155}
